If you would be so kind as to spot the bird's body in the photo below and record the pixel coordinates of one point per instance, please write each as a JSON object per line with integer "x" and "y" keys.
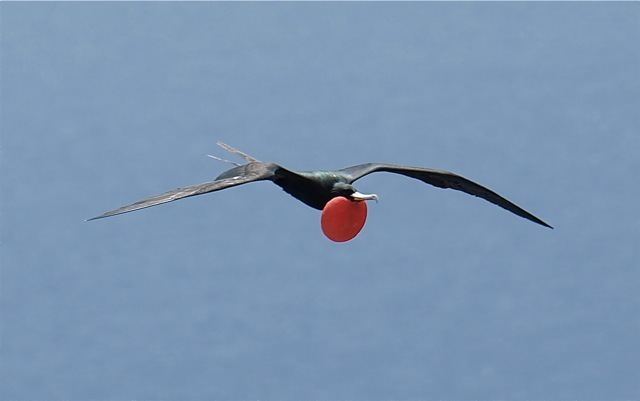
{"x": 313, "y": 188}
{"x": 316, "y": 188}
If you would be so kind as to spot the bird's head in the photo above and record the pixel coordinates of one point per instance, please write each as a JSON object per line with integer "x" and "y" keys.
{"x": 349, "y": 192}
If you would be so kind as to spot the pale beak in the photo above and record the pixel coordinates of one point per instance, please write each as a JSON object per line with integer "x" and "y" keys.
{"x": 357, "y": 196}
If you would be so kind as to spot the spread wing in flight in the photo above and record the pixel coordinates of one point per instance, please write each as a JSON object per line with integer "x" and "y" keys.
{"x": 441, "y": 179}
{"x": 251, "y": 172}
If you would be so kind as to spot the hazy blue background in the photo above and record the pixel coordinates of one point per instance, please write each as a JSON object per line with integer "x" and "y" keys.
{"x": 237, "y": 295}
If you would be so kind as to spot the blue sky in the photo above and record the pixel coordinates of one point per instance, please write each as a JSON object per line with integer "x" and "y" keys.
{"x": 237, "y": 295}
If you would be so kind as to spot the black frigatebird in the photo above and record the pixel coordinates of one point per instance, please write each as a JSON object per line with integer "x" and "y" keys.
{"x": 316, "y": 188}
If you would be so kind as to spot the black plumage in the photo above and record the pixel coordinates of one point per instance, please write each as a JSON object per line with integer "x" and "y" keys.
{"x": 316, "y": 188}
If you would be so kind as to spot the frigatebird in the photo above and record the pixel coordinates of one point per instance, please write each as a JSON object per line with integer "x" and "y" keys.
{"x": 316, "y": 188}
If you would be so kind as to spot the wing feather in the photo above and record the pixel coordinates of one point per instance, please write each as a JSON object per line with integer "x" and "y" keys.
{"x": 249, "y": 173}
{"x": 442, "y": 179}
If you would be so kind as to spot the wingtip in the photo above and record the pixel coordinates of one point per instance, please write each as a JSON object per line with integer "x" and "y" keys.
{"x": 96, "y": 217}
{"x": 538, "y": 221}
{"x": 542, "y": 223}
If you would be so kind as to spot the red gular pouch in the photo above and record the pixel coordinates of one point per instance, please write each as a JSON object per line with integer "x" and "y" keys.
{"x": 342, "y": 219}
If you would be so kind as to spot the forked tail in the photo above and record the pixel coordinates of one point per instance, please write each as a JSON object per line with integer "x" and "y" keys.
{"x": 240, "y": 153}
{"x": 231, "y": 149}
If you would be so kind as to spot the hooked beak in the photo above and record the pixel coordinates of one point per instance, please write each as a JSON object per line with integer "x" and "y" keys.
{"x": 357, "y": 196}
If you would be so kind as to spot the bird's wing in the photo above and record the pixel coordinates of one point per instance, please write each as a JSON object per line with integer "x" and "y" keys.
{"x": 251, "y": 172}
{"x": 441, "y": 179}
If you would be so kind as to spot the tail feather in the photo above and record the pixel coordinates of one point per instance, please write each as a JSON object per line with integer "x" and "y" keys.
{"x": 240, "y": 153}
